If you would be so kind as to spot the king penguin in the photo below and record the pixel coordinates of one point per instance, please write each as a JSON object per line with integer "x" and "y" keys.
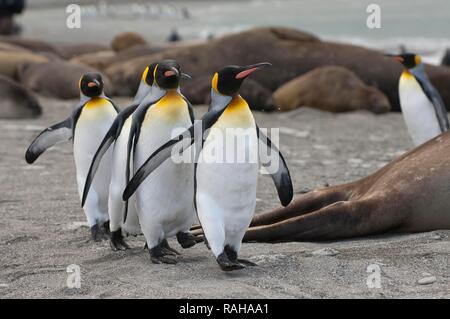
{"x": 118, "y": 135}
{"x": 423, "y": 110}
{"x": 164, "y": 203}
{"x": 86, "y": 126}
{"x": 226, "y": 177}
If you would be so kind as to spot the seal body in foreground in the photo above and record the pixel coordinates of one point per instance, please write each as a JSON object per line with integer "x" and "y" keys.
{"x": 410, "y": 194}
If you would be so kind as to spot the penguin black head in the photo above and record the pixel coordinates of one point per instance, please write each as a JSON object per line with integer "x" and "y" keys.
{"x": 91, "y": 84}
{"x": 148, "y": 74}
{"x": 409, "y": 60}
{"x": 229, "y": 79}
{"x": 167, "y": 74}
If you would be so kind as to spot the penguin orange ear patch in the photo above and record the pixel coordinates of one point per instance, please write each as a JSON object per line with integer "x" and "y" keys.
{"x": 417, "y": 59}
{"x": 214, "y": 81}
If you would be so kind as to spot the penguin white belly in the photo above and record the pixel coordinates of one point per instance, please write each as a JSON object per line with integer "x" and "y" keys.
{"x": 94, "y": 121}
{"x": 116, "y": 206}
{"x": 164, "y": 200}
{"x": 418, "y": 112}
{"x": 227, "y": 181}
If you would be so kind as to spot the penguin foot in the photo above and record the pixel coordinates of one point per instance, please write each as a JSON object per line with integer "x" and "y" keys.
{"x": 98, "y": 233}
{"x": 105, "y": 228}
{"x": 186, "y": 240}
{"x": 233, "y": 256}
{"x": 247, "y": 262}
{"x": 117, "y": 242}
{"x": 226, "y": 264}
{"x": 167, "y": 250}
{"x": 158, "y": 255}
{"x": 164, "y": 260}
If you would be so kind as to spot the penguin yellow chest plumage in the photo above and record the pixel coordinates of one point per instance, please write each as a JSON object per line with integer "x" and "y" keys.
{"x": 97, "y": 109}
{"x": 236, "y": 115}
{"x": 170, "y": 109}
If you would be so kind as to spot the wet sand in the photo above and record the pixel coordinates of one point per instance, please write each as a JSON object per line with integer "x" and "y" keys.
{"x": 42, "y": 228}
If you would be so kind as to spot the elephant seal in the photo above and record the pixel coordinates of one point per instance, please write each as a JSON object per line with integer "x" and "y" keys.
{"x": 4, "y": 46}
{"x": 330, "y": 88}
{"x": 126, "y": 40}
{"x": 410, "y": 194}
{"x": 69, "y": 51}
{"x": 293, "y": 52}
{"x": 16, "y": 101}
{"x": 11, "y": 60}
{"x": 57, "y": 78}
{"x": 29, "y": 44}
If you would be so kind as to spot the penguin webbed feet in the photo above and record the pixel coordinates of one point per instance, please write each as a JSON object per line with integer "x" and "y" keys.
{"x": 163, "y": 254}
{"x": 187, "y": 240}
{"x": 117, "y": 242}
{"x": 233, "y": 256}
{"x": 226, "y": 264}
{"x": 100, "y": 232}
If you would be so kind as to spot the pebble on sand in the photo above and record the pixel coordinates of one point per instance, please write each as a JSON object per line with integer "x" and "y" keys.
{"x": 325, "y": 252}
{"x": 426, "y": 280}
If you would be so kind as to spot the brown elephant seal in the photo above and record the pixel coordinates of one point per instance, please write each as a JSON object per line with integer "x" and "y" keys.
{"x": 102, "y": 59}
{"x": 4, "y": 46}
{"x": 57, "y": 79}
{"x": 97, "y": 60}
{"x": 29, "y": 44}
{"x": 293, "y": 53}
{"x": 330, "y": 88}
{"x": 410, "y": 194}
{"x": 198, "y": 91}
{"x": 11, "y": 60}
{"x": 69, "y": 51}
{"x": 126, "y": 40}
{"x": 16, "y": 101}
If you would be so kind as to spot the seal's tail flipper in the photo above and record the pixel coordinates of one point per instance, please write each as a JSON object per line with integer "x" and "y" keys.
{"x": 302, "y": 204}
{"x": 343, "y": 219}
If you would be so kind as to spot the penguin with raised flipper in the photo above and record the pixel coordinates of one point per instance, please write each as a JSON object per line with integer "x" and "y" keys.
{"x": 225, "y": 188}
{"x": 86, "y": 126}
{"x": 118, "y": 135}
{"x": 164, "y": 203}
{"x": 423, "y": 110}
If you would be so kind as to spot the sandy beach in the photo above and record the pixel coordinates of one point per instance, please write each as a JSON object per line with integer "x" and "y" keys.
{"x": 43, "y": 228}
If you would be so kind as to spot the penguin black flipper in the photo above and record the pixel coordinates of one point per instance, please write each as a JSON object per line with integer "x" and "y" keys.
{"x": 281, "y": 177}
{"x": 435, "y": 99}
{"x": 137, "y": 119}
{"x": 112, "y": 134}
{"x": 190, "y": 108}
{"x": 60, "y": 132}
{"x": 164, "y": 152}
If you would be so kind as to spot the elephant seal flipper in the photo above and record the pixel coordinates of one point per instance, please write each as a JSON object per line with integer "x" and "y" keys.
{"x": 339, "y": 220}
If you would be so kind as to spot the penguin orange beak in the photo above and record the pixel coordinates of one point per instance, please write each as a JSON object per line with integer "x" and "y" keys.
{"x": 92, "y": 84}
{"x": 249, "y": 69}
{"x": 171, "y": 72}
